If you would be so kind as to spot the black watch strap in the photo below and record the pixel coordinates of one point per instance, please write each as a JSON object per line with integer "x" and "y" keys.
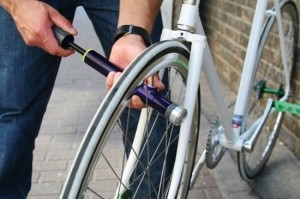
{"x": 131, "y": 29}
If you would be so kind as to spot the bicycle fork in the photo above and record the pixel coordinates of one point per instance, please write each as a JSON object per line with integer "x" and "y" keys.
{"x": 195, "y": 62}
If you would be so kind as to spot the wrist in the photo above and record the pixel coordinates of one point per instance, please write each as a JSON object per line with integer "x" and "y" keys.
{"x": 12, "y": 5}
{"x": 135, "y": 30}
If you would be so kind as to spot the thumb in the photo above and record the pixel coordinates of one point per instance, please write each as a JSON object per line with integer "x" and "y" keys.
{"x": 61, "y": 22}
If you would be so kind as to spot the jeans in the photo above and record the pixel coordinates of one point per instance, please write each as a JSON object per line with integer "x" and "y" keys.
{"x": 27, "y": 76}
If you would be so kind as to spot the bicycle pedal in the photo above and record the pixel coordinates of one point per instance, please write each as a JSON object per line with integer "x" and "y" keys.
{"x": 287, "y": 107}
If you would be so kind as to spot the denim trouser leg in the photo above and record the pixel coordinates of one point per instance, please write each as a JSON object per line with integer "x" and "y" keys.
{"x": 104, "y": 17}
{"x": 27, "y": 76}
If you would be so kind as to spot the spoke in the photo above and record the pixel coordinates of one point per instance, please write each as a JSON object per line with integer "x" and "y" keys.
{"x": 94, "y": 193}
{"x": 112, "y": 169}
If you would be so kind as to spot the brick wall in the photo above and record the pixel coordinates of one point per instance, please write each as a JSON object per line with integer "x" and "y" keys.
{"x": 227, "y": 24}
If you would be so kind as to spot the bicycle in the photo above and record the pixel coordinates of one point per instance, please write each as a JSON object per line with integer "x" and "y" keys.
{"x": 259, "y": 108}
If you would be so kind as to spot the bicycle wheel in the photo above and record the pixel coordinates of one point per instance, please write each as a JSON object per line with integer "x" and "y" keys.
{"x": 117, "y": 159}
{"x": 269, "y": 82}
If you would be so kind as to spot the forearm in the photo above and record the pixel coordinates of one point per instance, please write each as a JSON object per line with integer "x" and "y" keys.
{"x": 139, "y": 13}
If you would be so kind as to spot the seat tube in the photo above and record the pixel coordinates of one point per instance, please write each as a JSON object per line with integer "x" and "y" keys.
{"x": 248, "y": 69}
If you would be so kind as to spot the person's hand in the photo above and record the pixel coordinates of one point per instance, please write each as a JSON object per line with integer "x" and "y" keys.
{"x": 124, "y": 51}
{"x": 34, "y": 20}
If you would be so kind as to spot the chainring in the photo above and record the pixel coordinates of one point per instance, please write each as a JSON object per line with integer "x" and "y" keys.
{"x": 214, "y": 151}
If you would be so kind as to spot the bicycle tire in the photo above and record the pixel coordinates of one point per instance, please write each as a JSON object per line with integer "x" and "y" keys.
{"x": 90, "y": 173}
{"x": 269, "y": 73}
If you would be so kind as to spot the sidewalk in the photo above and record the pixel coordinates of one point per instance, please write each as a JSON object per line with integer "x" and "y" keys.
{"x": 79, "y": 91}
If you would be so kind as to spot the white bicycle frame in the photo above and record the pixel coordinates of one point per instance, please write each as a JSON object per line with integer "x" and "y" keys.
{"x": 201, "y": 56}
{"x": 192, "y": 30}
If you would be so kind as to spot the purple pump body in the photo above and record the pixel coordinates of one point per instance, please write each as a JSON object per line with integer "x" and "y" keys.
{"x": 145, "y": 92}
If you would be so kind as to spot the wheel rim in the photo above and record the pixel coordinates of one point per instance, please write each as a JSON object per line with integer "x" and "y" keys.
{"x": 269, "y": 75}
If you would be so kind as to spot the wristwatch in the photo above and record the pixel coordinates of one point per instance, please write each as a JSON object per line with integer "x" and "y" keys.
{"x": 136, "y": 30}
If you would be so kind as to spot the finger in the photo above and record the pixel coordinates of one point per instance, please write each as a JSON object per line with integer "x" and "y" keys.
{"x": 50, "y": 42}
{"x": 51, "y": 45}
{"x": 116, "y": 77}
{"x": 155, "y": 81}
{"x": 158, "y": 83}
{"x": 110, "y": 80}
{"x": 136, "y": 102}
{"x": 61, "y": 22}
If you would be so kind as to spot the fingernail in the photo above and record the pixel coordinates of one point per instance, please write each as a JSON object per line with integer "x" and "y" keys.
{"x": 73, "y": 31}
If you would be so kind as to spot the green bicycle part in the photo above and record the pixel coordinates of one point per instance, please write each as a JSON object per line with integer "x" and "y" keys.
{"x": 261, "y": 88}
{"x": 283, "y": 106}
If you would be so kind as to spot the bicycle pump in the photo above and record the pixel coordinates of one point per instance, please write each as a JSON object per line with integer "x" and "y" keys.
{"x": 170, "y": 110}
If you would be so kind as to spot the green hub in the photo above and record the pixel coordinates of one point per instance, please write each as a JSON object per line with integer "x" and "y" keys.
{"x": 261, "y": 88}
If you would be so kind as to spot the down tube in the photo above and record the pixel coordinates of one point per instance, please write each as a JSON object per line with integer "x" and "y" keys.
{"x": 198, "y": 47}
{"x": 215, "y": 87}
